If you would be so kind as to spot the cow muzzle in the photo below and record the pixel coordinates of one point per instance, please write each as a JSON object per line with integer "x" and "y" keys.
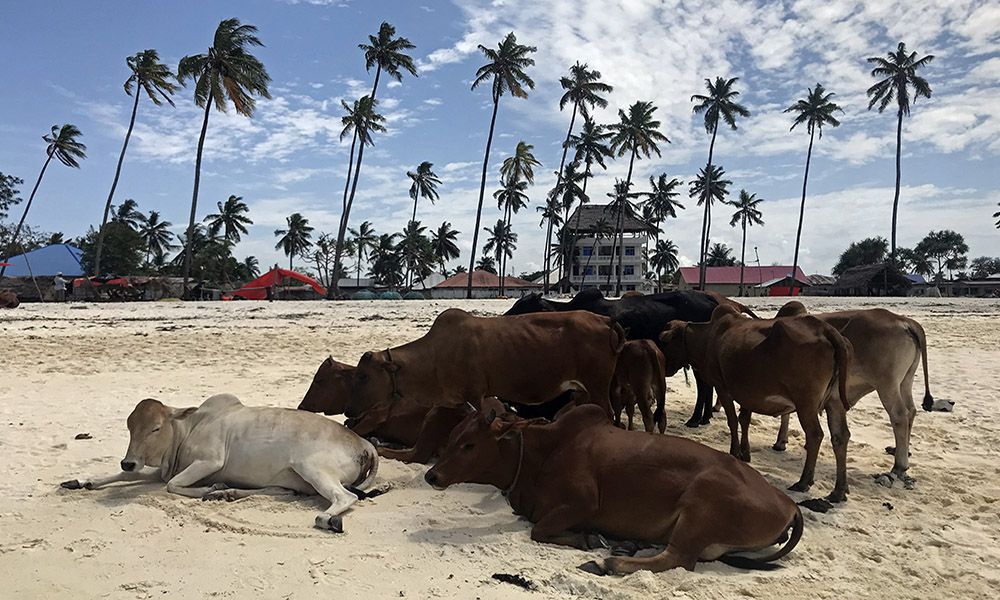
{"x": 434, "y": 480}
{"x": 128, "y": 465}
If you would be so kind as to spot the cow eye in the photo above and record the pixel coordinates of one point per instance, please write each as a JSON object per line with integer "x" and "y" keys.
{"x": 155, "y": 430}
{"x": 466, "y": 447}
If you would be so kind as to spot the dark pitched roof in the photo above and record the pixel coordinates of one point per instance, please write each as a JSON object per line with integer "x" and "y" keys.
{"x": 591, "y": 213}
{"x": 874, "y": 276}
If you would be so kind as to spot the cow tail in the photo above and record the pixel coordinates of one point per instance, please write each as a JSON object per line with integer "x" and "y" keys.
{"x": 366, "y": 474}
{"x": 841, "y": 358}
{"x": 618, "y": 336}
{"x": 746, "y": 310}
{"x": 762, "y": 563}
{"x": 920, "y": 338}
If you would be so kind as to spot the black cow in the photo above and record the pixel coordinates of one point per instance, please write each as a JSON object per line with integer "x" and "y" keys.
{"x": 644, "y": 318}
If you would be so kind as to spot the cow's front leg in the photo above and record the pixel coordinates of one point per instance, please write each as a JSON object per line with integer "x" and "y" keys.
{"x": 744, "y": 418}
{"x": 554, "y": 527}
{"x": 809, "y": 420}
{"x": 199, "y": 470}
{"x": 99, "y": 482}
{"x": 733, "y": 422}
{"x": 703, "y": 404}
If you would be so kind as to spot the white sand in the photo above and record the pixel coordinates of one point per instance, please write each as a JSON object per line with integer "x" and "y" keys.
{"x": 71, "y": 369}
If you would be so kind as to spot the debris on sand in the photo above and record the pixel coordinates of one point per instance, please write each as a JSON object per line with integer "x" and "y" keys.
{"x": 517, "y": 580}
{"x": 83, "y": 436}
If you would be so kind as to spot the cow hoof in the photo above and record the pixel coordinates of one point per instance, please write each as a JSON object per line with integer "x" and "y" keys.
{"x": 593, "y": 567}
{"x": 596, "y": 541}
{"x": 778, "y": 447}
{"x": 692, "y": 422}
{"x": 745, "y": 457}
{"x": 625, "y": 549}
{"x": 706, "y": 419}
{"x": 76, "y": 484}
{"x": 836, "y": 497}
{"x": 800, "y": 486}
{"x": 332, "y": 523}
{"x": 909, "y": 483}
{"x": 219, "y": 486}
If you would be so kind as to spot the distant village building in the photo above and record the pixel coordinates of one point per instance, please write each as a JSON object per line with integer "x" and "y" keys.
{"x": 974, "y": 288}
{"x": 757, "y": 281}
{"x": 881, "y": 279}
{"x": 484, "y": 285}
{"x": 593, "y": 260}
{"x": 819, "y": 285}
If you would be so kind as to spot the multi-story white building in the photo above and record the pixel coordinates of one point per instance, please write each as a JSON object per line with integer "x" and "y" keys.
{"x": 593, "y": 260}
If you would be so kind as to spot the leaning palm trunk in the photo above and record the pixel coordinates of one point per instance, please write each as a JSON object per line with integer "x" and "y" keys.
{"x": 345, "y": 218}
{"x": 895, "y": 200}
{"x": 802, "y": 207}
{"x": 188, "y": 251}
{"x": 705, "y": 221}
{"x": 562, "y": 163}
{"x": 743, "y": 254}
{"x": 27, "y": 207}
{"x": 621, "y": 225}
{"x": 482, "y": 193}
{"x": 114, "y": 184}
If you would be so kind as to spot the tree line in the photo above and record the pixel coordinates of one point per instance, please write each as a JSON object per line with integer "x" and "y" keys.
{"x": 229, "y": 74}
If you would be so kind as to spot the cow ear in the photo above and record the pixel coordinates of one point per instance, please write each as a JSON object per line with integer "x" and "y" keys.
{"x": 182, "y": 413}
{"x": 329, "y": 360}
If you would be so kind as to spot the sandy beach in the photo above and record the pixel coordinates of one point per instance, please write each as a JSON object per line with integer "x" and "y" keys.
{"x": 70, "y": 369}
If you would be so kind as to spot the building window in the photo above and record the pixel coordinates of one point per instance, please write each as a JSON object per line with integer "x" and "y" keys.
{"x": 603, "y": 270}
{"x": 587, "y": 251}
{"x": 629, "y": 288}
{"x": 589, "y": 271}
{"x": 576, "y": 270}
{"x": 604, "y": 251}
{"x": 628, "y": 269}
{"x": 629, "y": 250}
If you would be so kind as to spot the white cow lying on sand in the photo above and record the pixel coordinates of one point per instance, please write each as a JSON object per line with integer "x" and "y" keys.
{"x": 201, "y": 451}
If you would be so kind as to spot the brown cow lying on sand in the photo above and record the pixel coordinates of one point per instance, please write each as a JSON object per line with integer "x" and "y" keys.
{"x": 640, "y": 378}
{"x": 888, "y": 349}
{"x": 421, "y": 430}
{"x": 528, "y": 359}
{"x": 773, "y": 367}
{"x": 330, "y": 388}
{"x": 8, "y": 299}
{"x": 580, "y": 478}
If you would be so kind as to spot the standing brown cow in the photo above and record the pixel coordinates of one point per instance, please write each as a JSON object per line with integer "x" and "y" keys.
{"x": 888, "y": 349}
{"x": 640, "y": 378}
{"x": 773, "y": 367}
{"x": 580, "y": 476}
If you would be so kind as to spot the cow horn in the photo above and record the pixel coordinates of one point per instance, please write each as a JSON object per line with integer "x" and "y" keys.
{"x": 471, "y": 407}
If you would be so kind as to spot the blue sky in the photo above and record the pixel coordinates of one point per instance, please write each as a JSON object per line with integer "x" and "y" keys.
{"x": 64, "y": 62}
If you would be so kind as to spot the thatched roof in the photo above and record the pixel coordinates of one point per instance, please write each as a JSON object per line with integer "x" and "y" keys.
{"x": 882, "y": 276}
{"x": 590, "y": 213}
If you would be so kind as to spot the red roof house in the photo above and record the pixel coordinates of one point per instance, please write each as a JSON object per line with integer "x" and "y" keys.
{"x": 726, "y": 280}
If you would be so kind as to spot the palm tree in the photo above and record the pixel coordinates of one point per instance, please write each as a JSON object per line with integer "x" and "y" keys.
{"x": 815, "y": 110}
{"x": 252, "y": 267}
{"x": 64, "y": 146}
{"x": 365, "y": 239}
{"x": 521, "y": 164}
{"x": 720, "y": 255}
{"x": 636, "y": 134}
{"x": 363, "y": 120}
{"x": 231, "y": 219}
{"x": 424, "y": 185}
{"x": 621, "y": 205}
{"x": 502, "y": 242}
{"x": 747, "y": 214}
{"x": 386, "y": 266}
{"x": 128, "y": 214}
{"x": 661, "y": 201}
{"x": 156, "y": 79}
{"x": 156, "y": 235}
{"x": 996, "y": 216}
{"x": 567, "y": 193}
{"x": 511, "y": 198}
{"x": 898, "y": 73}
{"x": 719, "y": 103}
{"x": 295, "y": 238}
{"x": 664, "y": 258}
{"x": 505, "y": 70}
{"x": 709, "y": 187}
{"x": 410, "y": 247}
{"x": 227, "y": 72}
{"x": 487, "y": 263}
{"x": 591, "y": 146}
{"x": 602, "y": 230}
{"x": 583, "y": 89}
{"x": 444, "y": 245}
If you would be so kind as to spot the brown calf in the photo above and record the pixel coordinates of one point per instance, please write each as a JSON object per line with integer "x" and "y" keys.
{"x": 773, "y": 367}
{"x": 640, "y": 378}
{"x": 330, "y": 388}
{"x": 581, "y": 476}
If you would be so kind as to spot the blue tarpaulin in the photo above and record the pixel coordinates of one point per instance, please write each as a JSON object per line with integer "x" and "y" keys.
{"x": 46, "y": 262}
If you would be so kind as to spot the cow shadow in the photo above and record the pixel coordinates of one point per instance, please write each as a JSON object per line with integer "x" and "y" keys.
{"x": 461, "y": 533}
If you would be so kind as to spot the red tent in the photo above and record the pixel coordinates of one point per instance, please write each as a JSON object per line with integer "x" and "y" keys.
{"x": 258, "y": 288}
